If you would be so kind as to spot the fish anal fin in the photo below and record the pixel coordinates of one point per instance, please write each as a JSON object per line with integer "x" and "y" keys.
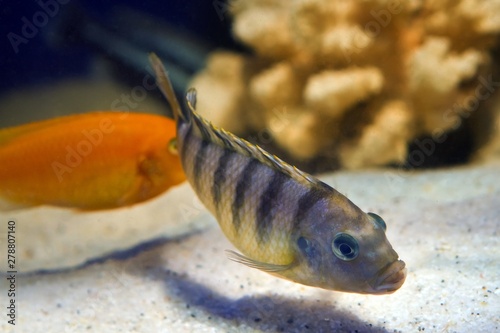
{"x": 270, "y": 268}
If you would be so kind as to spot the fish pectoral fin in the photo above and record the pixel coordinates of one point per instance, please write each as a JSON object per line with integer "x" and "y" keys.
{"x": 270, "y": 268}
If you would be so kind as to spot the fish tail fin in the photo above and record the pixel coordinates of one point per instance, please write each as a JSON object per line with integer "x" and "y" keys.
{"x": 8, "y": 206}
{"x": 166, "y": 88}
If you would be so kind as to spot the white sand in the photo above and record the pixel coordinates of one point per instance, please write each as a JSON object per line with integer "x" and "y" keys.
{"x": 444, "y": 224}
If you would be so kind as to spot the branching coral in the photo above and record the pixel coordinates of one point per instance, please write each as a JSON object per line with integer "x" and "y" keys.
{"x": 356, "y": 81}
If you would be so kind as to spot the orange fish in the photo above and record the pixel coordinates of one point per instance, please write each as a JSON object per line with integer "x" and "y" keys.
{"x": 95, "y": 160}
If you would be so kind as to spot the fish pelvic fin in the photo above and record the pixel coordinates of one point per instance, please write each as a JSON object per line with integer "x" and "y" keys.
{"x": 165, "y": 86}
{"x": 269, "y": 268}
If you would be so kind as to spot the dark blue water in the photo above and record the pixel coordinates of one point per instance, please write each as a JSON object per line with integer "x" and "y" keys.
{"x": 26, "y": 28}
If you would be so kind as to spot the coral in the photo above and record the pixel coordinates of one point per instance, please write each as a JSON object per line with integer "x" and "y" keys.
{"x": 352, "y": 81}
{"x": 222, "y": 88}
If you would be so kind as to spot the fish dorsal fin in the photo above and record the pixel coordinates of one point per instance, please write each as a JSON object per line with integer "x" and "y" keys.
{"x": 228, "y": 140}
{"x": 270, "y": 268}
{"x": 191, "y": 99}
{"x": 220, "y": 136}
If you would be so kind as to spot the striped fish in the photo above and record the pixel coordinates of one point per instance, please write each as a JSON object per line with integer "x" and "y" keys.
{"x": 284, "y": 221}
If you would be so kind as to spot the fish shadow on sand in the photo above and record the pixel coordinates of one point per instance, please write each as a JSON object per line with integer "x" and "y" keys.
{"x": 266, "y": 313}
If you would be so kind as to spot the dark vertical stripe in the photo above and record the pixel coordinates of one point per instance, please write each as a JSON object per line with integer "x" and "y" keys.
{"x": 186, "y": 142}
{"x": 199, "y": 161}
{"x": 220, "y": 177}
{"x": 268, "y": 200}
{"x": 245, "y": 179}
{"x": 305, "y": 203}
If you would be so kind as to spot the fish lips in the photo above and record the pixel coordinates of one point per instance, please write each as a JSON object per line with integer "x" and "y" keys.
{"x": 390, "y": 278}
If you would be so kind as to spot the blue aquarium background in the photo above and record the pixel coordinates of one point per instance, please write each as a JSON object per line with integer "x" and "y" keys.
{"x": 160, "y": 265}
{"x": 34, "y": 58}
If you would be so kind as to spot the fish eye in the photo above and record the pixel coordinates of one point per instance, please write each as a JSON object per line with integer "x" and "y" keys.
{"x": 345, "y": 247}
{"x": 172, "y": 146}
{"x": 380, "y": 221}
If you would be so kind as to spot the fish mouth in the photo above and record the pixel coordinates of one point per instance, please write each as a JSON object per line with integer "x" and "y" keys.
{"x": 390, "y": 278}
